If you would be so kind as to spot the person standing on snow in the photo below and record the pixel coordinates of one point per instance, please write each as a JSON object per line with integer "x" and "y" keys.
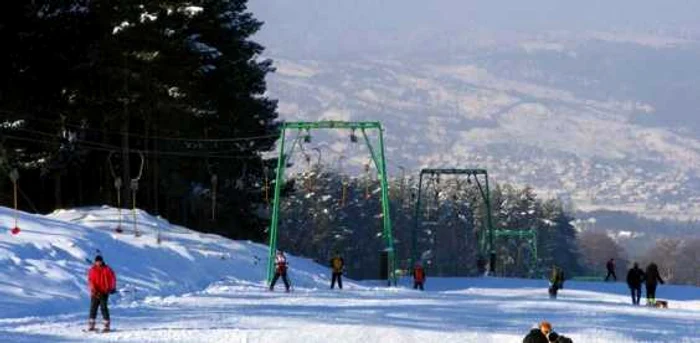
{"x": 101, "y": 283}
{"x": 652, "y": 276}
{"x": 635, "y": 277}
{"x": 337, "y": 265}
{"x": 418, "y": 276}
{"x": 611, "y": 270}
{"x": 556, "y": 281}
{"x": 280, "y": 270}
{"x": 539, "y": 334}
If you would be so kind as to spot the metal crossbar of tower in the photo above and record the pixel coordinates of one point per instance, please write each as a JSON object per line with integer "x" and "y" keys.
{"x": 484, "y": 245}
{"x": 377, "y": 157}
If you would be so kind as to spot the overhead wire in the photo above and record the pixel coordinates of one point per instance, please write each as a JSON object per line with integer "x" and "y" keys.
{"x": 146, "y": 152}
{"x": 156, "y": 137}
{"x": 53, "y": 135}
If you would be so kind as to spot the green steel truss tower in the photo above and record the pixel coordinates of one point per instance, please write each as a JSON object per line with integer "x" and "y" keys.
{"x": 379, "y": 162}
{"x": 486, "y": 245}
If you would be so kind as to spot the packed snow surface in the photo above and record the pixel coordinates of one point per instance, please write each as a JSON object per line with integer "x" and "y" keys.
{"x": 194, "y": 287}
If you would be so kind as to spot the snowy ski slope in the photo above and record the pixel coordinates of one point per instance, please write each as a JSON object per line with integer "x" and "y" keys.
{"x": 196, "y": 287}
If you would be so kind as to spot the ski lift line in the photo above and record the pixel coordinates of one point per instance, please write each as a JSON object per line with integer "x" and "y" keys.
{"x": 288, "y": 154}
{"x": 109, "y": 148}
{"x": 53, "y": 135}
{"x": 134, "y": 185}
{"x": 453, "y": 171}
{"x": 379, "y": 165}
{"x": 118, "y": 187}
{"x": 14, "y": 177}
{"x": 331, "y": 125}
{"x": 164, "y": 138}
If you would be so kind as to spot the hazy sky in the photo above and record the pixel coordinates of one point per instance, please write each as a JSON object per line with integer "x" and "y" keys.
{"x": 433, "y": 29}
{"x": 486, "y": 14}
{"x": 322, "y": 28}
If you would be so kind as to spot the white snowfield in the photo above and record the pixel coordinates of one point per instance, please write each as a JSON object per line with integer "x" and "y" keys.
{"x": 195, "y": 287}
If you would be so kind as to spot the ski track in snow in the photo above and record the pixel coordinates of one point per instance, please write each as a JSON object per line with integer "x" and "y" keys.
{"x": 228, "y": 313}
{"x": 203, "y": 288}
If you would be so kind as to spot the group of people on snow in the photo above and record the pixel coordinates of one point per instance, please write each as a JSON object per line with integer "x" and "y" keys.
{"x": 337, "y": 265}
{"x": 651, "y": 278}
{"x": 635, "y": 278}
{"x": 102, "y": 282}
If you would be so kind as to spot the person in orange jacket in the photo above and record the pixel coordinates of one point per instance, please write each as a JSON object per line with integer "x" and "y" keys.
{"x": 101, "y": 283}
{"x": 418, "y": 276}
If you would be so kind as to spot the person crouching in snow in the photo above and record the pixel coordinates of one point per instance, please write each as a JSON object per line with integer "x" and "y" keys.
{"x": 337, "y": 266}
{"x": 539, "y": 334}
{"x": 280, "y": 270}
{"x": 418, "y": 276}
{"x": 101, "y": 283}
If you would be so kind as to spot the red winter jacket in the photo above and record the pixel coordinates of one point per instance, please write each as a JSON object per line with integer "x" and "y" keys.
{"x": 281, "y": 262}
{"x": 101, "y": 280}
{"x": 418, "y": 274}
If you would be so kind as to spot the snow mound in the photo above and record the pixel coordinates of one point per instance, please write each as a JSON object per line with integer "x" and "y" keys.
{"x": 43, "y": 268}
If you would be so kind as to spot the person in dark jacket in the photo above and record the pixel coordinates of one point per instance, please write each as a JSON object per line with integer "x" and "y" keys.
{"x": 635, "y": 277}
{"x": 337, "y": 266}
{"x": 539, "y": 334}
{"x": 554, "y": 337}
{"x": 611, "y": 269}
{"x": 101, "y": 283}
{"x": 556, "y": 281}
{"x": 652, "y": 276}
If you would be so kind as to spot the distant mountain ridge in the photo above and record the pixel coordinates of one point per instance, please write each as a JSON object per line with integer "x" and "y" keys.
{"x": 606, "y": 117}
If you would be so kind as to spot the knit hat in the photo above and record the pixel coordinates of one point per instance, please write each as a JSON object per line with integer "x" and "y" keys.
{"x": 553, "y": 336}
{"x": 546, "y": 325}
{"x": 98, "y": 258}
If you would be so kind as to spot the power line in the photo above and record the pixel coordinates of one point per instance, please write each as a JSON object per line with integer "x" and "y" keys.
{"x": 146, "y": 152}
{"x": 163, "y": 138}
{"x": 114, "y": 147}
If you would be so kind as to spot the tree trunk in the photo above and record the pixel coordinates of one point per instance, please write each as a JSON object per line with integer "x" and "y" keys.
{"x": 80, "y": 187}
{"x": 57, "y": 191}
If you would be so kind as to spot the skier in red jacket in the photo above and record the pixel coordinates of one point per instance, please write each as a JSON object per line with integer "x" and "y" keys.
{"x": 418, "y": 276}
{"x": 101, "y": 282}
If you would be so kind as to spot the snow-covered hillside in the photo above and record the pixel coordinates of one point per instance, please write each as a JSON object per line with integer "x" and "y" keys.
{"x": 43, "y": 269}
{"x": 203, "y": 288}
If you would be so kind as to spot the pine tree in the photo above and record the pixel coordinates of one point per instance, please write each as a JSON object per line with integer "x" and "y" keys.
{"x": 93, "y": 79}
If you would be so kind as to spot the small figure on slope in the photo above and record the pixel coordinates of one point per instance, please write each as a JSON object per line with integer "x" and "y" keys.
{"x": 635, "y": 277}
{"x": 337, "y": 267}
{"x": 101, "y": 283}
{"x": 611, "y": 269}
{"x": 280, "y": 270}
{"x": 418, "y": 276}
{"x": 652, "y": 276}
{"x": 556, "y": 281}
